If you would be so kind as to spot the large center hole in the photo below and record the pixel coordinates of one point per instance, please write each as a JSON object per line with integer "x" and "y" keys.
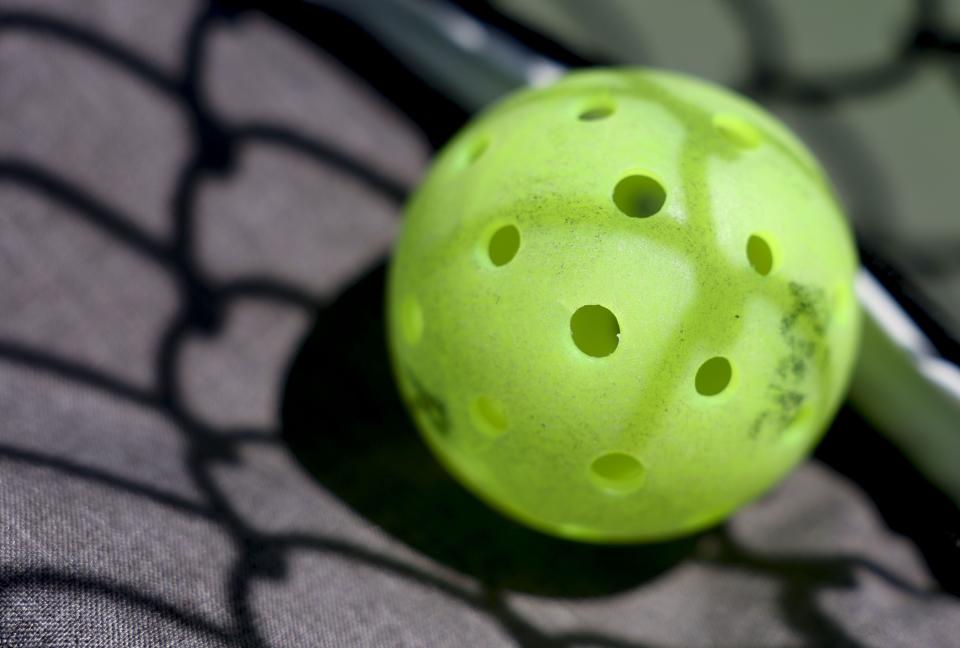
{"x": 639, "y": 196}
{"x": 595, "y": 330}
{"x": 714, "y": 376}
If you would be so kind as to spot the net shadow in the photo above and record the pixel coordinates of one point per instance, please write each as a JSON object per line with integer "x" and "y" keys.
{"x": 340, "y": 414}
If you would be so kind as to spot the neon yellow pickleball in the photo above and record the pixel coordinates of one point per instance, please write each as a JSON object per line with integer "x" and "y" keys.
{"x": 622, "y": 306}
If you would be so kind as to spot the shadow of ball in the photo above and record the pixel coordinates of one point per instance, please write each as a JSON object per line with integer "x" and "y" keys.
{"x": 345, "y": 423}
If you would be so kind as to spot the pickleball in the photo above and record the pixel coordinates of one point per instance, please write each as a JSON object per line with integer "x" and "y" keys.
{"x": 621, "y": 306}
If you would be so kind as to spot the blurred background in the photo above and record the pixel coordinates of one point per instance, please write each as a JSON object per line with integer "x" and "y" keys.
{"x": 200, "y": 441}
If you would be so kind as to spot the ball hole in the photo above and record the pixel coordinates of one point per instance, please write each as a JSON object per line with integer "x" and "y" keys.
{"x": 504, "y": 245}
{"x": 411, "y": 320}
{"x": 714, "y": 376}
{"x": 737, "y": 130}
{"x": 597, "y": 111}
{"x": 760, "y": 254}
{"x": 595, "y": 330}
{"x": 488, "y": 415}
{"x": 639, "y": 196}
{"x": 475, "y": 150}
{"x": 618, "y": 472}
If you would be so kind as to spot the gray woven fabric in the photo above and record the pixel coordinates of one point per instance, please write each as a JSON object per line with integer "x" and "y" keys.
{"x": 199, "y": 445}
